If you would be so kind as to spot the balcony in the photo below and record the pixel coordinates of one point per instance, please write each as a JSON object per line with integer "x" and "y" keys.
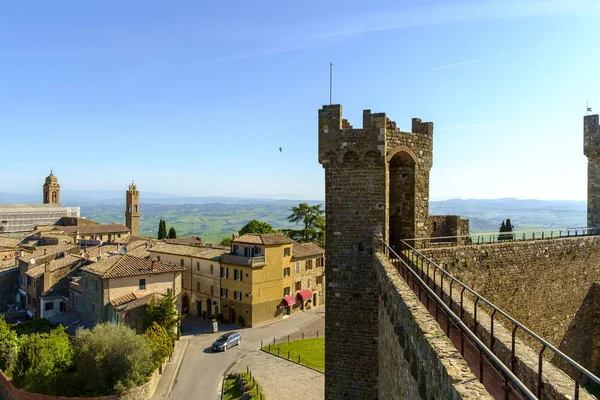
{"x": 245, "y": 261}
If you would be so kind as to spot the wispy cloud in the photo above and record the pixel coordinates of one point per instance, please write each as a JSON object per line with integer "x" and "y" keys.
{"x": 472, "y": 126}
{"x": 476, "y": 60}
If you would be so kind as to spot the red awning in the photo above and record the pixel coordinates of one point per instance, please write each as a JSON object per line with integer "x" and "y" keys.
{"x": 289, "y": 301}
{"x": 304, "y": 295}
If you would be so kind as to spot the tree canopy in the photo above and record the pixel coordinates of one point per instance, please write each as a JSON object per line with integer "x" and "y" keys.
{"x": 255, "y": 226}
{"x": 506, "y": 227}
{"x": 172, "y": 233}
{"x": 226, "y": 241}
{"x": 313, "y": 219}
{"x": 9, "y": 346}
{"x": 162, "y": 229}
{"x": 162, "y": 311}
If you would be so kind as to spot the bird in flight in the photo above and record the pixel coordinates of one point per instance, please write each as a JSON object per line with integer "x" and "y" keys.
{"x": 281, "y": 149}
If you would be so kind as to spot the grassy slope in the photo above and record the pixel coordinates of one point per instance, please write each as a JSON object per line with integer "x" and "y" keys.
{"x": 311, "y": 351}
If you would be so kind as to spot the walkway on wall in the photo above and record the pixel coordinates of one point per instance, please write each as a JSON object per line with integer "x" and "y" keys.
{"x": 497, "y": 376}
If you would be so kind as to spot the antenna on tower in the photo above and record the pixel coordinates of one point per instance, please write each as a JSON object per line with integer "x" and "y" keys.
{"x": 330, "y": 82}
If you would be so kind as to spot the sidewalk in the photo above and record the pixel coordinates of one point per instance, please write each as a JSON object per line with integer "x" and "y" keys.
{"x": 281, "y": 379}
{"x": 169, "y": 375}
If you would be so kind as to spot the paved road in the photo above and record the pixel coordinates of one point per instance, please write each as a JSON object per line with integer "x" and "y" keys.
{"x": 202, "y": 370}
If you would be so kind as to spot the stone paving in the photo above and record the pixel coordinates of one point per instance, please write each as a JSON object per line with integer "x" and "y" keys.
{"x": 282, "y": 379}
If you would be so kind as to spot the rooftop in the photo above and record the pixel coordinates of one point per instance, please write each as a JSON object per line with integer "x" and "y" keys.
{"x": 265, "y": 239}
{"x": 131, "y": 301}
{"x": 205, "y": 252}
{"x": 96, "y": 229}
{"x": 52, "y": 265}
{"x": 126, "y": 265}
{"x": 42, "y": 251}
{"x": 303, "y": 250}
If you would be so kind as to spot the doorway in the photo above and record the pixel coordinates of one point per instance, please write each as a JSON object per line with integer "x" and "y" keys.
{"x": 185, "y": 304}
{"x": 208, "y": 308}
{"x": 198, "y": 308}
{"x": 232, "y": 315}
{"x": 314, "y": 299}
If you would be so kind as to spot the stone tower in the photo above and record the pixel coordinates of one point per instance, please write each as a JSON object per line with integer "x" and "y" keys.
{"x": 132, "y": 210}
{"x": 51, "y": 190}
{"x": 376, "y": 181}
{"x": 591, "y": 149}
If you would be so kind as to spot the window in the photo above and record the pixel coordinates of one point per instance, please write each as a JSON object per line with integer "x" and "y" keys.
{"x": 48, "y": 306}
{"x": 237, "y": 295}
{"x": 297, "y": 266}
{"x": 309, "y": 264}
{"x": 142, "y": 284}
{"x": 211, "y": 269}
{"x": 100, "y": 237}
{"x": 319, "y": 260}
{"x": 158, "y": 258}
{"x": 181, "y": 262}
{"x": 197, "y": 265}
{"x": 227, "y": 273}
{"x": 212, "y": 290}
{"x": 286, "y": 251}
{"x": 235, "y": 274}
{"x": 308, "y": 283}
{"x": 286, "y": 291}
{"x": 61, "y": 306}
{"x": 298, "y": 285}
{"x": 286, "y": 271}
{"x": 319, "y": 279}
{"x": 224, "y": 272}
{"x": 118, "y": 235}
{"x": 197, "y": 286}
{"x": 224, "y": 292}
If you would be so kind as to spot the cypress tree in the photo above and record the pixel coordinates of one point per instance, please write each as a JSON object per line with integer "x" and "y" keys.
{"x": 172, "y": 233}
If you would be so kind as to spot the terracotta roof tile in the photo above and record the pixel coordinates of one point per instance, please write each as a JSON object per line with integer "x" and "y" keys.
{"x": 305, "y": 250}
{"x": 136, "y": 302}
{"x": 132, "y": 266}
{"x": 265, "y": 239}
{"x": 205, "y": 252}
{"x": 49, "y": 250}
{"x": 52, "y": 265}
{"x": 96, "y": 229}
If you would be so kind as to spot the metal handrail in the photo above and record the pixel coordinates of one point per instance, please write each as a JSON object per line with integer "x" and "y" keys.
{"x": 508, "y": 374}
{"x": 515, "y": 236}
{"x": 517, "y": 324}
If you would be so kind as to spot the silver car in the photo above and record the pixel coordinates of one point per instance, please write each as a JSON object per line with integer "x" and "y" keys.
{"x": 226, "y": 341}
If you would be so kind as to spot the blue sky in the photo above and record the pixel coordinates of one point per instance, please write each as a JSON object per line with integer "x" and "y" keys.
{"x": 195, "y": 98}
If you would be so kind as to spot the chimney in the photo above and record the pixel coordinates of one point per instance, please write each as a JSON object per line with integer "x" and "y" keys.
{"x": 45, "y": 251}
{"x": 152, "y": 264}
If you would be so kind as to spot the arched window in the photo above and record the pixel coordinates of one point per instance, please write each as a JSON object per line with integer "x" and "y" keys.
{"x": 128, "y": 207}
{"x": 135, "y": 208}
{"x": 54, "y": 197}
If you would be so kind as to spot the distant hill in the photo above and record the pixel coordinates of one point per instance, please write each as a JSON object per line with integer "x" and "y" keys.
{"x": 216, "y": 217}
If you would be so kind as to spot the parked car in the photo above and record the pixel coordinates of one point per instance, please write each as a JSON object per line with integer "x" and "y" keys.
{"x": 226, "y": 341}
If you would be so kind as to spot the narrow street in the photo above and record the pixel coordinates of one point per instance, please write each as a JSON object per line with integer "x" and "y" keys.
{"x": 201, "y": 371}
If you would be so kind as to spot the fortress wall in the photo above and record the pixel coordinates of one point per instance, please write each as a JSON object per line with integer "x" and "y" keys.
{"x": 416, "y": 358}
{"x": 543, "y": 284}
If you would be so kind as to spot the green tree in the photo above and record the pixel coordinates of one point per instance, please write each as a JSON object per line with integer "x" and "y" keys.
{"x": 172, "y": 233}
{"x": 313, "y": 219}
{"x": 162, "y": 229}
{"x": 42, "y": 362}
{"x": 9, "y": 346}
{"x": 226, "y": 242}
{"x": 161, "y": 343}
{"x": 255, "y": 226}
{"x": 111, "y": 358}
{"x": 162, "y": 311}
{"x": 506, "y": 227}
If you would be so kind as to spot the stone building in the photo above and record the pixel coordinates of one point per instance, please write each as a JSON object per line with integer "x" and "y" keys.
{"x": 117, "y": 288}
{"x": 132, "y": 210}
{"x": 93, "y": 235}
{"x": 591, "y": 149}
{"x": 201, "y": 279}
{"x": 256, "y": 279}
{"x": 308, "y": 260}
{"x": 376, "y": 182}
{"x": 25, "y": 217}
{"x": 51, "y": 190}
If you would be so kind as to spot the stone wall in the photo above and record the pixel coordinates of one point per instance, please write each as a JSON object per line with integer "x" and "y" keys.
{"x": 416, "y": 358}
{"x": 591, "y": 149}
{"x": 144, "y": 392}
{"x": 542, "y": 284}
{"x": 9, "y": 286}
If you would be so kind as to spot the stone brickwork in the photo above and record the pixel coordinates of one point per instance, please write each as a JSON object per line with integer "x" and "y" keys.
{"x": 444, "y": 226}
{"x": 416, "y": 358}
{"x": 132, "y": 210}
{"x": 9, "y": 286}
{"x": 263, "y": 312}
{"x": 591, "y": 149}
{"x": 544, "y": 284}
{"x": 91, "y": 298}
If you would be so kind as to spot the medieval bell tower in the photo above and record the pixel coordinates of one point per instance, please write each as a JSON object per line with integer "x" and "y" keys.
{"x": 132, "y": 210}
{"x": 591, "y": 149}
{"x": 51, "y": 190}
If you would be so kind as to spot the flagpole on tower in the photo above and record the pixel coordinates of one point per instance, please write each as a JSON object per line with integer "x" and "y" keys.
{"x": 588, "y": 109}
{"x": 330, "y": 82}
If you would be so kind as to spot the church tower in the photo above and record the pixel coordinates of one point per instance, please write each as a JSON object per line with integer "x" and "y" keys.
{"x": 51, "y": 190}
{"x": 132, "y": 210}
{"x": 591, "y": 149}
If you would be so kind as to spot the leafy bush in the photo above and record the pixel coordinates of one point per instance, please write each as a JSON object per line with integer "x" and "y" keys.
{"x": 9, "y": 346}
{"x": 42, "y": 361}
{"x": 111, "y": 358}
{"x": 161, "y": 343}
{"x": 38, "y": 325}
{"x": 163, "y": 312}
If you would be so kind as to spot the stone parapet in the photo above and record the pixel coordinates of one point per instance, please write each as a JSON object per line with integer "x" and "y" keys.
{"x": 416, "y": 358}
